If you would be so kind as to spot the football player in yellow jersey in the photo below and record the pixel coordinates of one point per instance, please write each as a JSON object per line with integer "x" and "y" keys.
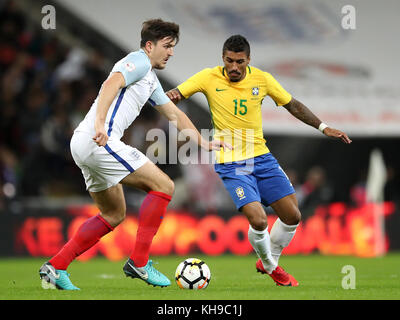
{"x": 249, "y": 171}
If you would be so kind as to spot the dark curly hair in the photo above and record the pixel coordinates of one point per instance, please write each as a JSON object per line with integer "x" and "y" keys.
{"x": 236, "y": 43}
{"x": 157, "y": 29}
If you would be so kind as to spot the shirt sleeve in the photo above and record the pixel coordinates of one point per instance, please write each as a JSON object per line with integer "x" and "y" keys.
{"x": 194, "y": 84}
{"x": 158, "y": 97}
{"x": 133, "y": 67}
{"x": 276, "y": 91}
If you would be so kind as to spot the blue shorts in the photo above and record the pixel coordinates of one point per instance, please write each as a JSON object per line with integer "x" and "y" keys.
{"x": 257, "y": 179}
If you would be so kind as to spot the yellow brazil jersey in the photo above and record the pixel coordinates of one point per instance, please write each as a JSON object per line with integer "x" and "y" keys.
{"x": 236, "y": 108}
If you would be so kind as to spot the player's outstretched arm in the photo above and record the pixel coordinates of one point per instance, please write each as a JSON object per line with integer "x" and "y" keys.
{"x": 182, "y": 122}
{"x": 334, "y": 133}
{"x": 301, "y": 112}
{"x": 175, "y": 95}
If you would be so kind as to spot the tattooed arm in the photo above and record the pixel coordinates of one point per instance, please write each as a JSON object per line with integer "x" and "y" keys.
{"x": 301, "y": 112}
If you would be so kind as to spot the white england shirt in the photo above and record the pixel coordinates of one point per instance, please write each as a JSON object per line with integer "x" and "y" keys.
{"x": 141, "y": 85}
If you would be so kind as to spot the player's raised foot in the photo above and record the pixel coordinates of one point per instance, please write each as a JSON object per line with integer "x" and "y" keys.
{"x": 148, "y": 273}
{"x": 280, "y": 276}
{"x": 55, "y": 279}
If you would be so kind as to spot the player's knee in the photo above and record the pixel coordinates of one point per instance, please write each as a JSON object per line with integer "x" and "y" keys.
{"x": 259, "y": 223}
{"x": 116, "y": 216}
{"x": 121, "y": 216}
{"x": 171, "y": 187}
{"x": 294, "y": 218}
{"x": 167, "y": 187}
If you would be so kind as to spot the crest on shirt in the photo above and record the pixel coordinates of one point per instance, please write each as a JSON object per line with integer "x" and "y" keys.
{"x": 255, "y": 91}
{"x": 240, "y": 193}
{"x": 136, "y": 154}
{"x": 130, "y": 66}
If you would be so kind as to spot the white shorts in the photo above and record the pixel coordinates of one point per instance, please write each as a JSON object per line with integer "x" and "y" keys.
{"x": 104, "y": 167}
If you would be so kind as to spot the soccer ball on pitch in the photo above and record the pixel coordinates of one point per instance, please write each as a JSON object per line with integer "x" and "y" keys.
{"x": 192, "y": 274}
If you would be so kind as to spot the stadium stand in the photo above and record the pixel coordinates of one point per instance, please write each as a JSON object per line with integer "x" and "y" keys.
{"x": 48, "y": 82}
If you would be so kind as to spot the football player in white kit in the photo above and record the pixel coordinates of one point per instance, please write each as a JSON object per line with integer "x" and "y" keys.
{"x": 107, "y": 163}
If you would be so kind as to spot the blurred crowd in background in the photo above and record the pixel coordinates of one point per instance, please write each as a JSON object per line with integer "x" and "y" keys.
{"x": 46, "y": 88}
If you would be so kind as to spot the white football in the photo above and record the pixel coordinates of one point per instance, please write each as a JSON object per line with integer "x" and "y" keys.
{"x": 192, "y": 274}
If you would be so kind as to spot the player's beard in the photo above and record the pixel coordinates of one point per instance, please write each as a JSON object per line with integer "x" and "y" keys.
{"x": 239, "y": 77}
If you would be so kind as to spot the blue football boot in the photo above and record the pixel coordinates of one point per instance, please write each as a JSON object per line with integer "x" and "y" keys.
{"x": 55, "y": 279}
{"x": 148, "y": 273}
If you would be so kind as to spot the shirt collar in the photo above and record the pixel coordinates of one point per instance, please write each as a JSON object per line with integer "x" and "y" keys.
{"x": 142, "y": 51}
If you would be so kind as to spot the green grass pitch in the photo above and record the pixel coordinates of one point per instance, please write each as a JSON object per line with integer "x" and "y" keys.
{"x": 233, "y": 278}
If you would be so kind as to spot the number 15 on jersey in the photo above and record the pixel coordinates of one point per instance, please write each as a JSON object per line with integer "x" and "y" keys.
{"x": 240, "y": 107}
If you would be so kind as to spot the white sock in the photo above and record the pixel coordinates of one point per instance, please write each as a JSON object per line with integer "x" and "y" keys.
{"x": 281, "y": 235}
{"x": 261, "y": 243}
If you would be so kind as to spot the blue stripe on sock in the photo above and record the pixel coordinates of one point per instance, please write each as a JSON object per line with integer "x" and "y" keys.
{"x": 121, "y": 95}
{"x": 116, "y": 156}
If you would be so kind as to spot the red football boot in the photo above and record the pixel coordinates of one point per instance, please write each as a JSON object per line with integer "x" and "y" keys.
{"x": 280, "y": 276}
